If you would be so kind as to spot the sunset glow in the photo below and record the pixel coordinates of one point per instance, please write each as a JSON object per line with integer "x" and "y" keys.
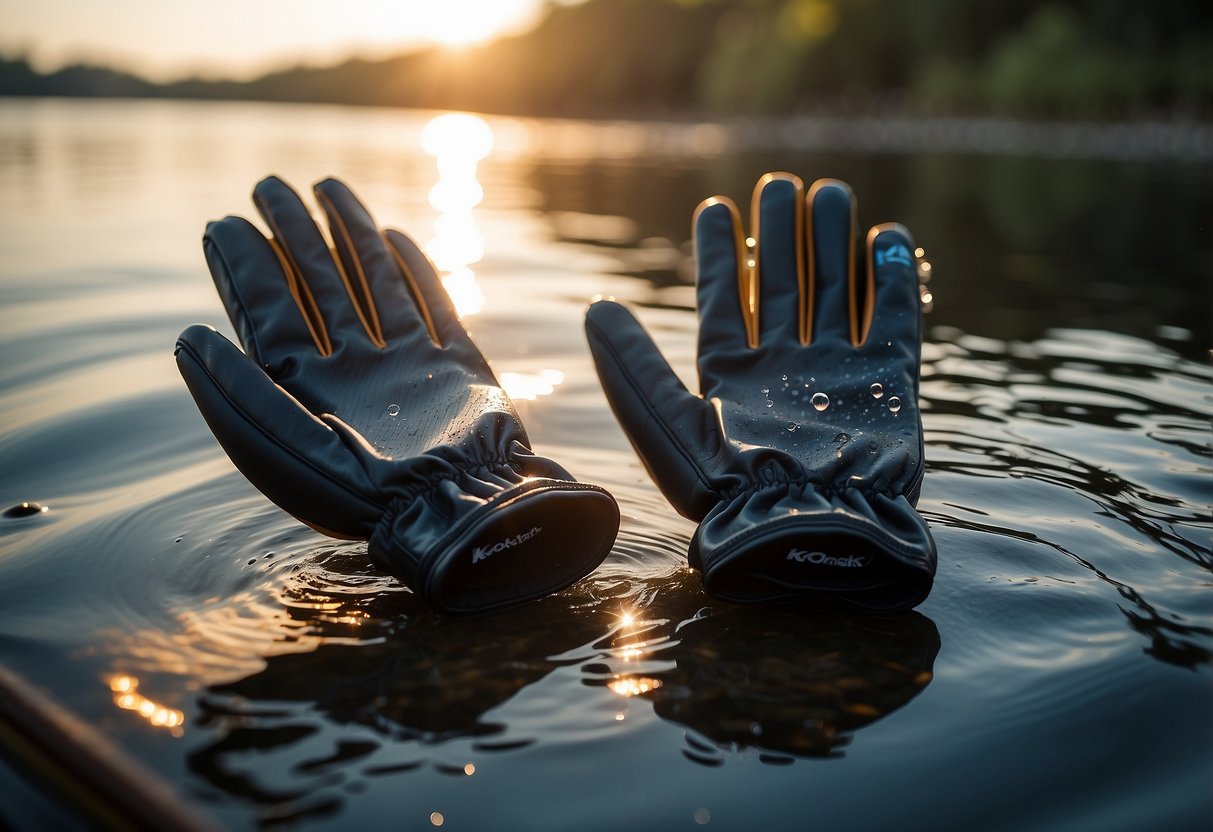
{"x": 465, "y": 22}
{"x": 166, "y": 41}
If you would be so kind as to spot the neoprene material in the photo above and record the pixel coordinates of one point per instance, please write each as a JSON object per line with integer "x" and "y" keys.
{"x": 793, "y": 496}
{"x": 361, "y": 406}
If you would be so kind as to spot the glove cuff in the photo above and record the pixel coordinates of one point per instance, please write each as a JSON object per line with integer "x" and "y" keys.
{"x": 465, "y": 552}
{"x": 786, "y": 540}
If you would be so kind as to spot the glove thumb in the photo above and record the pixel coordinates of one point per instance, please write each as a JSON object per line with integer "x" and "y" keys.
{"x": 291, "y": 456}
{"x": 673, "y": 431}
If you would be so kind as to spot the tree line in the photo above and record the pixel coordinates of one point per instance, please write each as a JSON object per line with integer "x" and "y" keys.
{"x": 1102, "y": 59}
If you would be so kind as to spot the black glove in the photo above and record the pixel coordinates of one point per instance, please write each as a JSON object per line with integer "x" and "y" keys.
{"x": 362, "y": 407}
{"x": 803, "y": 458}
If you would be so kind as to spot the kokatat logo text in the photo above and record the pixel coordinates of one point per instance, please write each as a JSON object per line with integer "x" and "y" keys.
{"x": 482, "y": 552}
{"x": 822, "y": 559}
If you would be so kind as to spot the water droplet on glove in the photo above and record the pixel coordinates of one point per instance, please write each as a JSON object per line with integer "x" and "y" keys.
{"x": 393, "y": 410}
{"x": 894, "y": 404}
{"x": 820, "y": 401}
{"x": 877, "y": 390}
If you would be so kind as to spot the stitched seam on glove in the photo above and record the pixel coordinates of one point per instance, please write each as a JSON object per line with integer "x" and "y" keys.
{"x": 670, "y": 435}
{"x": 273, "y": 439}
{"x": 914, "y": 486}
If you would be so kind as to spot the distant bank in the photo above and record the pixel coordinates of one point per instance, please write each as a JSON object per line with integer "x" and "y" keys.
{"x": 1028, "y": 60}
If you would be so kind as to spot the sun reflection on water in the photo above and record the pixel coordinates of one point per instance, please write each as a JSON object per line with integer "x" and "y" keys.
{"x": 631, "y": 653}
{"x": 530, "y": 386}
{"x": 126, "y": 696}
{"x": 457, "y": 141}
{"x": 633, "y": 685}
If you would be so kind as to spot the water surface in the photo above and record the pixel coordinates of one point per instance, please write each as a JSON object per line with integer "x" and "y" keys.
{"x": 1058, "y": 676}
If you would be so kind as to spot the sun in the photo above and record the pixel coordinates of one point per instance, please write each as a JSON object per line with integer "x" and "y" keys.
{"x": 457, "y": 23}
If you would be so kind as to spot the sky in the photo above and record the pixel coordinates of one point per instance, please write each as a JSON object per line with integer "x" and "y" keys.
{"x": 239, "y": 39}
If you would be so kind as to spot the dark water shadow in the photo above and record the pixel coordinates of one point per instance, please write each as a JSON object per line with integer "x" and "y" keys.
{"x": 787, "y": 681}
{"x": 425, "y": 681}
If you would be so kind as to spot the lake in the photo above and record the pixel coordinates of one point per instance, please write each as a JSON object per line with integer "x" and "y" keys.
{"x": 1058, "y": 677}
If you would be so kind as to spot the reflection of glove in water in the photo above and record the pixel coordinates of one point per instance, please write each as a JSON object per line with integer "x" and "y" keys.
{"x": 803, "y": 458}
{"x": 362, "y": 407}
{"x": 398, "y": 699}
{"x": 815, "y": 680}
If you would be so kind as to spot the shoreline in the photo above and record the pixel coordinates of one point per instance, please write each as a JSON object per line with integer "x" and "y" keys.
{"x": 1182, "y": 140}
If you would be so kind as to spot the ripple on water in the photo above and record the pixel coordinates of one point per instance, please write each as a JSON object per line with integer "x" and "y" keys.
{"x": 1068, "y": 489}
{"x": 1067, "y": 477}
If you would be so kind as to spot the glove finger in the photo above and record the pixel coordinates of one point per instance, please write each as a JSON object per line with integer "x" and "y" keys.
{"x": 673, "y": 431}
{"x": 423, "y": 281}
{"x": 309, "y": 257}
{"x": 895, "y": 315}
{"x": 273, "y": 314}
{"x": 777, "y": 222}
{"x": 287, "y": 453}
{"x": 831, "y": 220}
{"x": 391, "y": 310}
{"x": 728, "y": 329}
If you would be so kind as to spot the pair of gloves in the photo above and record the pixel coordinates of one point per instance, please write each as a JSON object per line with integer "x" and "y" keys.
{"x": 361, "y": 406}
